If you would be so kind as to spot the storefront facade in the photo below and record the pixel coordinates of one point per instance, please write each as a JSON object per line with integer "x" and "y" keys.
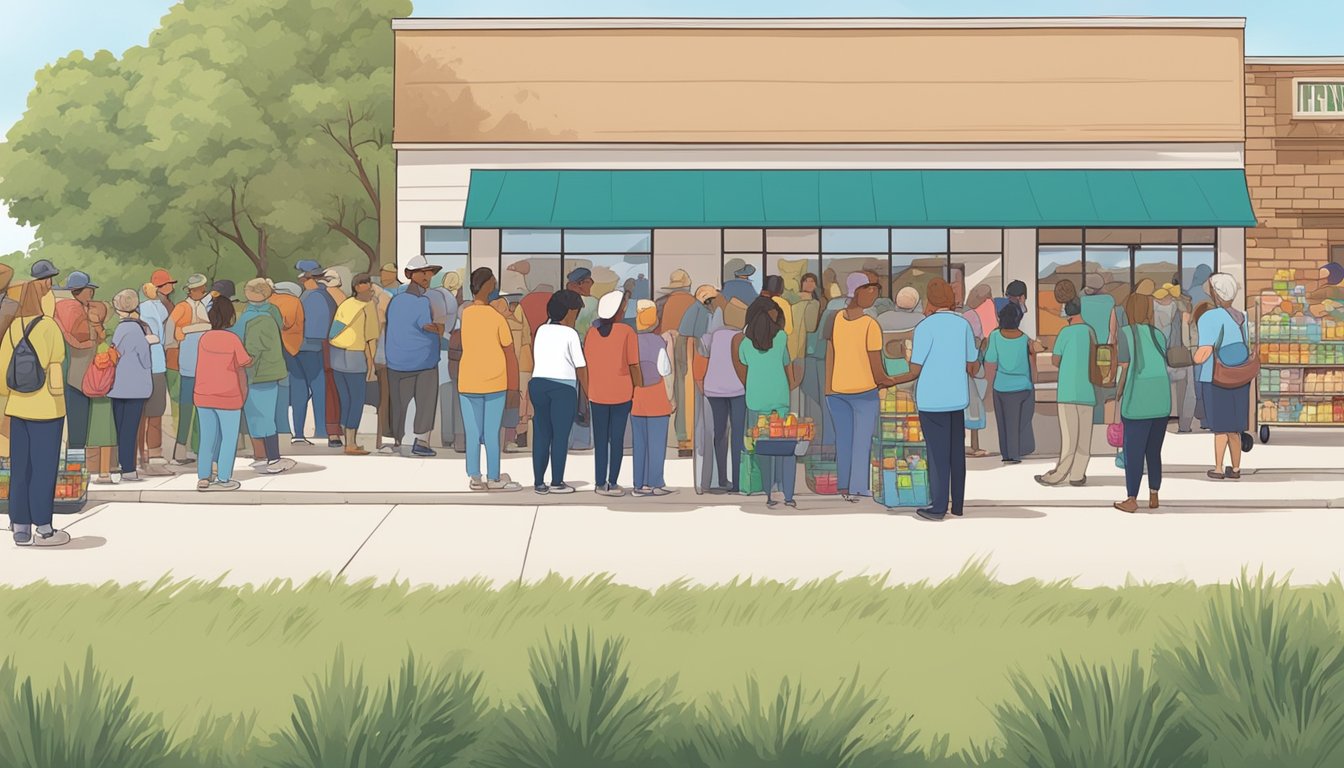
{"x": 983, "y": 150}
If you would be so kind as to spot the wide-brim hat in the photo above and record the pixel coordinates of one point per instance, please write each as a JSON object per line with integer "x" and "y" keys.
{"x": 197, "y": 281}
{"x": 679, "y": 279}
{"x": 420, "y": 264}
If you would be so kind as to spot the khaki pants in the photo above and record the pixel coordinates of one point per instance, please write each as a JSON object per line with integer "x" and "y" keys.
{"x": 1075, "y": 431}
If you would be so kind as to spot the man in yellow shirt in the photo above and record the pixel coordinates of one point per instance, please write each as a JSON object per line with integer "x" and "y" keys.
{"x": 36, "y": 410}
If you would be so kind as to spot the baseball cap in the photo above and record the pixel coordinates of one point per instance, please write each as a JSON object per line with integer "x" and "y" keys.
{"x": 43, "y": 269}
{"x": 705, "y": 293}
{"x": 855, "y": 281}
{"x": 197, "y": 281}
{"x": 580, "y": 274}
{"x": 78, "y": 280}
{"x": 161, "y": 278}
{"x": 680, "y": 278}
{"x": 420, "y": 264}
{"x": 224, "y": 288}
{"x": 310, "y": 268}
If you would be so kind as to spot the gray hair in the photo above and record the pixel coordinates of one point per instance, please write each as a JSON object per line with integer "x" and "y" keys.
{"x": 126, "y": 301}
{"x": 1223, "y": 286}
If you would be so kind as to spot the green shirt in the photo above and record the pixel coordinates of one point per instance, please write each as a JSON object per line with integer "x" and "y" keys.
{"x": 1073, "y": 347}
{"x": 1012, "y": 356}
{"x": 261, "y": 339}
{"x": 767, "y": 383}
{"x": 1147, "y": 392}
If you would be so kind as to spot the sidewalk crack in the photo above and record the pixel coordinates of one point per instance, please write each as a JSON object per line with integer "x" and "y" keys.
{"x": 536, "y": 512}
{"x": 360, "y": 548}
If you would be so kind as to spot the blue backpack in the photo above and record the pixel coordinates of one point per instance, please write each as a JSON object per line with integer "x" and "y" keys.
{"x": 26, "y": 373}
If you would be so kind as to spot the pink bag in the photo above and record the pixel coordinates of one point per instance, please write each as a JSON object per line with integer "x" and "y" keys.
{"x": 1115, "y": 435}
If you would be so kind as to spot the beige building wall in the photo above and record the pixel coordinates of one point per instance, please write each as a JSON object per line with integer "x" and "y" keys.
{"x": 1155, "y": 82}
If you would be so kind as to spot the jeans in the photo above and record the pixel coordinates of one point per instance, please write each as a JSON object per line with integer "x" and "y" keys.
{"x": 1075, "y": 434}
{"x": 855, "y": 419}
{"x": 126, "y": 417}
{"x": 282, "y": 424}
{"x": 1143, "y": 444}
{"x": 188, "y": 423}
{"x": 650, "y": 449}
{"x": 730, "y": 425}
{"x": 350, "y": 388}
{"x": 77, "y": 406}
{"x": 307, "y": 379}
{"x": 1183, "y": 395}
{"x": 945, "y": 438}
{"x": 482, "y": 416}
{"x": 219, "y": 442}
{"x": 609, "y": 440}
{"x": 260, "y": 409}
{"x": 1013, "y": 412}
{"x": 554, "y": 404}
{"x": 35, "y": 458}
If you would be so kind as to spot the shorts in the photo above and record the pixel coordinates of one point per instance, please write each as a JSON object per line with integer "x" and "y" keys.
{"x": 157, "y": 404}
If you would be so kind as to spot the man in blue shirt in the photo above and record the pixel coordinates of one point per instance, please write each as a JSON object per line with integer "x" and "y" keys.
{"x": 943, "y": 360}
{"x": 308, "y": 379}
{"x": 740, "y": 286}
{"x": 413, "y": 349}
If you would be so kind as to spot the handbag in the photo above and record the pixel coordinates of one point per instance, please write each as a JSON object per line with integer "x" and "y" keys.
{"x": 1234, "y": 376}
{"x": 1179, "y": 355}
{"x": 100, "y": 375}
{"x": 1101, "y": 362}
{"x": 1115, "y": 435}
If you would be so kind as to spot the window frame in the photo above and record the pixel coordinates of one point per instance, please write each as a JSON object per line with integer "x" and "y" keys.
{"x": 424, "y": 239}
{"x": 1298, "y": 82}
{"x": 564, "y": 254}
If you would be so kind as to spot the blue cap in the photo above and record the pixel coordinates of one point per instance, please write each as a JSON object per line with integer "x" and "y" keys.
{"x": 746, "y": 270}
{"x": 78, "y": 280}
{"x": 42, "y": 269}
{"x": 580, "y": 274}
{"x": 310, "y": 268}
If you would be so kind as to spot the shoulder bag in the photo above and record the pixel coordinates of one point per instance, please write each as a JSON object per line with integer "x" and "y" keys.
{"x": 1178, "y": 355}
{"x": 1234, "y": 376}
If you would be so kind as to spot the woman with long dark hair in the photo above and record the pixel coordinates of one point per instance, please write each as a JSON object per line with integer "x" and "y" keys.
{"x": 612, "y": 351}
{"x": 761, "y": 357}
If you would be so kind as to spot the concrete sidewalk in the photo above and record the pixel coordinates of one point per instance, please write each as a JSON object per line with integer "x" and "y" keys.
{"x": 1299, "y": 469}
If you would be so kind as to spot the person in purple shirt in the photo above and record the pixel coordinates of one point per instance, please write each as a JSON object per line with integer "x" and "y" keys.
{"x": 311, "y": 381}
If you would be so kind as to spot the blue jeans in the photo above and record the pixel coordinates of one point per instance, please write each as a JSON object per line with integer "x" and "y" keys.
{"x": 855, "y": 420}
{"x": 188, "y": 423}
{"x": 219, "y": 442}
{"x": 307, "y": 380}
{"x": 730, "y": 427}
{"x": 609, "y": 440}
{"x": 282, "y": 424}
{"x": 1143, "y": 445}
{"x": 35, "y": 458}
{"x": 945, "y": 441}
{"x": 260, "y": 409}
{"x": 554, "y": 404}
{"x": 351, "y": 388}
{"x": 482, "y": 416}
{"x": 650, "y": 448}
{"x": 126, "y": 419}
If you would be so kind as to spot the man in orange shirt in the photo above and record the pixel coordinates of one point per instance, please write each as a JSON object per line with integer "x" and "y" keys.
{"x": 286, "y": 299}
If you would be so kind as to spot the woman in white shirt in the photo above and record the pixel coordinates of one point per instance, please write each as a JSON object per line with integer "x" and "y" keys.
{"x": 558, "y": 369}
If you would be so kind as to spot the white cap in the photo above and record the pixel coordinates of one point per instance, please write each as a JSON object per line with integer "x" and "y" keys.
{"x": 610, "y": 304}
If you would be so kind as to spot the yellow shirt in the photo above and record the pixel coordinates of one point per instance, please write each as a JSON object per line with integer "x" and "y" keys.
{"x": 853, "y": 340}
{"x": 787, "y": 312}
{"x": 361, "y": 325}
{"x": 485, "y": 336}
{"x": 48, "y": 402}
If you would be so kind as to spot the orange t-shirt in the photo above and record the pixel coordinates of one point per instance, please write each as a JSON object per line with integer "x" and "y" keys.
{"x": 291, "y": 316}
{"x": 609, "y": 360}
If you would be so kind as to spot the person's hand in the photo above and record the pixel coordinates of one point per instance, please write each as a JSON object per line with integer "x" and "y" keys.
{"x": 511, "y": 399}
{"x": 434, "y": 328}
{"x": 371, "y": 377}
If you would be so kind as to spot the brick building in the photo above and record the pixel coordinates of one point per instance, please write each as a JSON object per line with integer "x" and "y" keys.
{"x": 1294, "y": 164}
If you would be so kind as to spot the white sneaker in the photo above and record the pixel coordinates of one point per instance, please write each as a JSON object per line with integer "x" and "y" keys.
{"x": 231, "y": 485}
{"x": 277, "y": 466}
{"x": 53, "y": 539}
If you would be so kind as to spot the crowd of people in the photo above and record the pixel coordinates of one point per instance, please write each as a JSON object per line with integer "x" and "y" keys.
{"x": 553, "y": 371}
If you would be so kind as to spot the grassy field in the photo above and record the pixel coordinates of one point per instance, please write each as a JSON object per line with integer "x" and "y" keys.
{"x": 964, "y": 664}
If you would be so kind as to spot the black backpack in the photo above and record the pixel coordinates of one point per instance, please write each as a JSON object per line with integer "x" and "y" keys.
{"x": 26, "y": 373}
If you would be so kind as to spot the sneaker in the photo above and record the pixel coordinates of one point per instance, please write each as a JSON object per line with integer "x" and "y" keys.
{"x": 300, "y": 441}
{"x": 476, "y": 483}
{"x": 278, "y": 466}
{"x": 663, "y": 491}
{"x": 231, "y": 485}
{"x": 158, "y": 468}
{"x": 563, "y": 489}
{"x": 53, "y": 539}
{"x": 1078, "y": 483}
{"x": 202, "y": 485}
{"x": 927, "y": 513}
{"x": 642, "y": 492}
{"x": 611, "y": 490}
{"x": 422, "y": 450}
{"x": 504, "y": 483}
{"x": 23, "y": 539}
{"x": 257, "y": 464}
{"x": 131, "y": 477}
{"x": 542, "y": 489}
{"x": 102, "y": 480}
{"x": 335, "y": 442}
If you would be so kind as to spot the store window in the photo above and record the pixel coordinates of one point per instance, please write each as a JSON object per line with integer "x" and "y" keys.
{"x": 530, "y": 260}
{"x": 540, "y": 259}
{"x": 447, "y": 247}
{"x": 742, "y": 247}
{"x": 1319, "y": 98}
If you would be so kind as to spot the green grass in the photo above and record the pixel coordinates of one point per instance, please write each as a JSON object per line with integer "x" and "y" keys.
{"x": 844, "y": 673}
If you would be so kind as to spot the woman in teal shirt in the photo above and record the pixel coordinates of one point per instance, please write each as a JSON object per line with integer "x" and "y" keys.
{"x": 762, "y": 362}
{"x": 1145, "y": 399}
{"x": 1009, "y": 350}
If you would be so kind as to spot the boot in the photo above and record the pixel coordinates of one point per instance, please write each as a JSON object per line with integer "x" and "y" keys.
{"x": 352, "y": 448}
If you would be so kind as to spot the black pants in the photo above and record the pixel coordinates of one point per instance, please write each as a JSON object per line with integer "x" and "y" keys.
{"x": 609, "y": 422}
{"x": 1143, "y": 445}
{"x": 421, "y": 387}
{"x": 1013, "y": 412}
{"x": 76, "y": 417}
{"x": 126, "y": 418}
{"x": 554, "y": 404}
{"x": 945, "y": 436}
{"x": 730, "y": 425}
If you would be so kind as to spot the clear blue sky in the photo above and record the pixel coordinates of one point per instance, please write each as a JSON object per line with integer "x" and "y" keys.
{"x": 38, "y": 32}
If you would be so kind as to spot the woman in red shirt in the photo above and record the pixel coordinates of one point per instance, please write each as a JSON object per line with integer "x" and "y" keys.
{"x": 221, "y": 388}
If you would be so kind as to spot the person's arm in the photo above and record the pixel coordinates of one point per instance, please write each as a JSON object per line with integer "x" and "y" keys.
{"x": 632, "y": 358}
{"x": 55, "y": 367}
{"x": 829, "y": 389}
{"x": 240, "y": 354}
{"x": 794, "y": 375}
{"x": 505, "y": 337}
{"x": 738, "y": 366}
{"x": 1205, "y": 330}
{"x": 992, "y": 359}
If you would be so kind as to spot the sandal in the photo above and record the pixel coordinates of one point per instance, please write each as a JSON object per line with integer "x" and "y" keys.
{"x": 1128, "y": 505}
{"x": 978, "y": 453}
{"x": 1215, "y": 474}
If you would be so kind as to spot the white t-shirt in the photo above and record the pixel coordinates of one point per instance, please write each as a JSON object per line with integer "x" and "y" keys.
{"x": 556, "y": 353}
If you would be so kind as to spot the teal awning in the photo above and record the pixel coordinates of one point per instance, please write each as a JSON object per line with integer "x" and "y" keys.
{"x": 537, "y": 199}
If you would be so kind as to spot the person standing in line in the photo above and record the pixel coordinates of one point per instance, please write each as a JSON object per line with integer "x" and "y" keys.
{"x": 980, "y": 313}
{"x": 102, "y": 438}
{"x": 1076, "y": 397}
{"x": 190, "y": 321}
{"x": 308, "y": 382}
{"x": 580, "y": 281}
{"x": 943, "y": 358}
{"x": 534, "y": 306}
{"x": 739, "y": 285}
{"x": 672, "y": 307}
{"x": 354, "y": 342}
{"x": 487, "y": 382}
{"x": 1223, "y": 340}
{"x": 1013, "y": 370}
{"x": 763, "y": 364}
{"x": 516, "y": 418}
{"x": 1171, "y": 314}
{"x": 259, "y": 328}
{"x": 612, "y": 351}
{"x": 9, "y": 309}
{"x": 36, "y": 411}
{"x": 383, "y": 442}
{"x": 331, "y": 282}
{"x": 72, "y": 316}
{"x": 772, "y": 287}
{"x": 154, "y": 315}
{"x": 559, "y": 368}
{"x": 164, "y": 285}
{"x": 134, "y": 380}
{"x": 220, "y": 393}
{"x": 1201, "y": 309}
{"x": 854, "y": 372}
{"x": 285, "y": 297}
{"x": 413, "y": 357}
{"x": 725, "y": 393}
{"x": 1145, "y": 399}
{"x": 444, "y": 308}
{"x": 652, "y": 407}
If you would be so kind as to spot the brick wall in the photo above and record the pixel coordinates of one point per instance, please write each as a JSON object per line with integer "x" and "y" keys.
{"x": 1295, "y": 171}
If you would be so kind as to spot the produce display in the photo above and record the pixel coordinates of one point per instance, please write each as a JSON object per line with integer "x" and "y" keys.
{"x": 1301, "y": 346}
{"x": 776, "y": 427}
{"x": 900, "y": 468}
